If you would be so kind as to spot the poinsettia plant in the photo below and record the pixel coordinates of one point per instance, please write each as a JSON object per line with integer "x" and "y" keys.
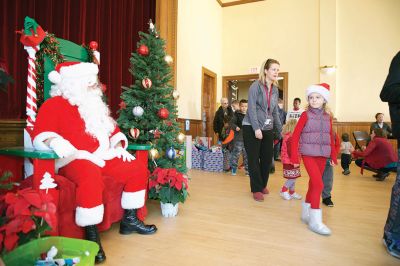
{"x": 25, "y": 215}
{"x": 168, "y": 185}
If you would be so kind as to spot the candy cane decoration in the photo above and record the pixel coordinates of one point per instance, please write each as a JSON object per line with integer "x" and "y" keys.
{"x": 31, "y": 98}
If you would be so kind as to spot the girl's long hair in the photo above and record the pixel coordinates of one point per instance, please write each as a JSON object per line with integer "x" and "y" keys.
{"x": 289, "y": 126}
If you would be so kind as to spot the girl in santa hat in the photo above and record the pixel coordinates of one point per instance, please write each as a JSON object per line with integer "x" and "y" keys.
{"x": 313, "y": 137}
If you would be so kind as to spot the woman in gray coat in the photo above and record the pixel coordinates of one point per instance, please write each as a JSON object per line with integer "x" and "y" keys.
{"x": 258, "y": 124}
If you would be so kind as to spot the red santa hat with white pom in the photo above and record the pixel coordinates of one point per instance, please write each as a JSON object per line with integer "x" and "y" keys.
{"x": 72, "y": 70}
{"x": 322, "y": 89}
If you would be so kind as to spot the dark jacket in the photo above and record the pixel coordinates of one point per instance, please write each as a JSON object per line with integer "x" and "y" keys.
{"x": 385, "y": 127}
{"x": 218, "y": 122}
{"x": 391, "y": 93}
{"x": 236, "y": 121}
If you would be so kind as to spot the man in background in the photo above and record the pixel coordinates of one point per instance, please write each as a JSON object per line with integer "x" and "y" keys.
{"x": 224, "y": 111}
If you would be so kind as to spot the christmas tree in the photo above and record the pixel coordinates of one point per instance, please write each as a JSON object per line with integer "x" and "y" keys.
{"x": 148, "y": 112}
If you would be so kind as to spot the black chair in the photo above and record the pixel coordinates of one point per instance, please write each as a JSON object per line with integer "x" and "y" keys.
{"x": 361, "y": 138}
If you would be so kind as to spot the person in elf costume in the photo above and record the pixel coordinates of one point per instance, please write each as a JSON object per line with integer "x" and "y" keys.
{"x": 76, "y": 124}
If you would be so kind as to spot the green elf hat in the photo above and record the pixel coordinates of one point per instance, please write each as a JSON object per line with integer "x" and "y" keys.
{"x": 33, "y": 34}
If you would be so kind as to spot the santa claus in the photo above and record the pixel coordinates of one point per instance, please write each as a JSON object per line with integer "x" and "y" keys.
{"x": 76, "y": 124}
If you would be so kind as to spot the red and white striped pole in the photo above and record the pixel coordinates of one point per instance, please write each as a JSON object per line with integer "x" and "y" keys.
{"x": 31, "y": 105}
{"x": 31, "y": 98}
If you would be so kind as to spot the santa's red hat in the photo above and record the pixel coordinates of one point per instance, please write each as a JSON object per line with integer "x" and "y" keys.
{"x": 322, "y": 89}
{"x": 70, "y": 70}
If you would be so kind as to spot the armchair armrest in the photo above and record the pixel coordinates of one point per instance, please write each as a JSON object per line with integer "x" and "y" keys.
{"x": 141, "y": 151}
{"x": 43, "y": 161}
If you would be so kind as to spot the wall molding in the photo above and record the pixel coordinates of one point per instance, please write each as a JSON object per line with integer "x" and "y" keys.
{"x": 235, "y": 3}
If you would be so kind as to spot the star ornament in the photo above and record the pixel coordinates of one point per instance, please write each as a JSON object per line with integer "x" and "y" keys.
{"x": 122, "y": 105}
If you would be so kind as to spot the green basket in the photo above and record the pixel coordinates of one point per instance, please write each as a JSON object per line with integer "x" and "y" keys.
{"x": 67, "y": 248}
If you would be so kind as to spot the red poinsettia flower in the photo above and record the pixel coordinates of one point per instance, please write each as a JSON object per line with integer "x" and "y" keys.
{"x": 21, "y": 209}
{"x": 168, "y": 185}
{"x": 10, "y": 241}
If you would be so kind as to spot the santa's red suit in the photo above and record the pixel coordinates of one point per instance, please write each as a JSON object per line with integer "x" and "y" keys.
{"x": 59, "y": 119}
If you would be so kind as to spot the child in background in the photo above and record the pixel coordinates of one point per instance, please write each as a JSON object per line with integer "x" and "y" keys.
{"x": 314, "y": 138}
{"x": 346, "y": 148}
{"x": 235, "y": 106}
{"x": 327, "y": 178}
{"x": 238, "y": 144}
{"x": 289, "y": 171}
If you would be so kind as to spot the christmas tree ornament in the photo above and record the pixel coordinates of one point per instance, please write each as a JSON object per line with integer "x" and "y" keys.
{"x": 137, "y": 111}
{"x": 181, "y": 137}
{"x": 146, "y": 83}
{"x": 168, "y": 59}
{"x": 154, "y": 154}
{"x": 157, "y": 133}
{"x": 143, "y": 50}
{"x": 163, "y": 113}
{"x": 169, "y": 123}
{"x": 175, "y": 94}
{"x": 151, "y": 26}
{"x": 122, "y": 105}
{"x": 171, "y": 153}
{"x": 134, "y": 133}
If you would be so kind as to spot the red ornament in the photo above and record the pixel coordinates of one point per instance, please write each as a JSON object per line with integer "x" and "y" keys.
{"x": 169, "y": 123}
{"x": 93, "y": 45}
{"x": 163, "y": 113}
{"x": 143, "y": 50}
{"x": 134, "y": 133}
{"x": 146, "y": 82}
{"x": 122, "y": 105}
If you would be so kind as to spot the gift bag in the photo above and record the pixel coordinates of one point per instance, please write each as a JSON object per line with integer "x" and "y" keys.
{"x": 213, "y": 161}
{"x": 197, "y": 158}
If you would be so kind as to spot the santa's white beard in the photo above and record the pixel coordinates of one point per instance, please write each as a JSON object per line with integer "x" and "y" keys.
{"x": 91, "y": 107}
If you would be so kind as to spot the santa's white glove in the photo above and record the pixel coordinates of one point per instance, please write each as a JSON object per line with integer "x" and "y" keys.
{"x": 123, "y": 154}
{"x": 62, "y": 147}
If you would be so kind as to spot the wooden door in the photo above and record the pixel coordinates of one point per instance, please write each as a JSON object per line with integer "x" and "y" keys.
{"x": 208, "y": 100}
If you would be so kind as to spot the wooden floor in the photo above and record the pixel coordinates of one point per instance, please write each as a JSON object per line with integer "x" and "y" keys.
{"x": 220, "y": 224}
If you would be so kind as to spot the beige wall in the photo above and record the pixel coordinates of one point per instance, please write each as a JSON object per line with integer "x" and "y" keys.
{"x": 199, "y": 44}
{"x": 368, "y": 37}
{"x": 359, "y": 36}
{"x": 285, "y": 30}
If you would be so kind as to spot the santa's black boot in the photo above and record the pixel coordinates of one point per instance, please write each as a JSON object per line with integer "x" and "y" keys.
{"x": 92, "y": 234}
{"x": 131, "y": 224}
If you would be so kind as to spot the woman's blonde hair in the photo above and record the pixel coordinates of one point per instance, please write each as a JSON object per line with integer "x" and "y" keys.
{"x": 265, "y": 66}
{"x": 289, "y": 126}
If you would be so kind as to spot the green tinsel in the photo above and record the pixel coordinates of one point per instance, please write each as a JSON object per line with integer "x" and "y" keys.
{"x": 49, "y": 47}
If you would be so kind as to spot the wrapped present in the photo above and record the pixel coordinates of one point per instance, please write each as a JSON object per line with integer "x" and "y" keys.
{"x": 197, "y": 158}
{"x": 213, "y": 161}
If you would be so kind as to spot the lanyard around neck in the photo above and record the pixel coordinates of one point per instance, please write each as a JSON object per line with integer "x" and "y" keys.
{"x": 268, "y": 96}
